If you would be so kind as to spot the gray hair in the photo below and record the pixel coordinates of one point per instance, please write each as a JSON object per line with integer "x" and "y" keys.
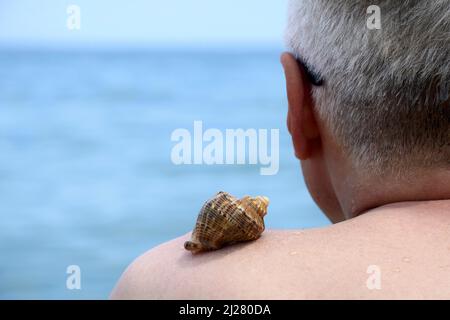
{"x": 385, "y": 92}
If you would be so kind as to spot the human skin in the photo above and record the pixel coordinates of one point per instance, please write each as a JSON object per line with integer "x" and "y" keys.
{"x": 399, "y": 225}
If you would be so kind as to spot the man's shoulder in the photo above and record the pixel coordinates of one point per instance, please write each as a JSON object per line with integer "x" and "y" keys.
{"x": 146, "y": 275}
{"x": 394, "y": 243}
{"x": 283, "y": 259}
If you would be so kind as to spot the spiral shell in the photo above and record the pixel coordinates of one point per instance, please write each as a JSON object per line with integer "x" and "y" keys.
{"x": 224, "y": 220}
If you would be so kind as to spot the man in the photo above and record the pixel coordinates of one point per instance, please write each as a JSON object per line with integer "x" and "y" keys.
{"x": 370, "y": 121}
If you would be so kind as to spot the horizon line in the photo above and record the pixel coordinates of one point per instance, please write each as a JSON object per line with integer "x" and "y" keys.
{"x": 140, "y": 46}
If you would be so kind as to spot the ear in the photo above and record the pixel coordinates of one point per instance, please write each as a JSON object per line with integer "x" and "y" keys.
{"x": 300, "y": 121}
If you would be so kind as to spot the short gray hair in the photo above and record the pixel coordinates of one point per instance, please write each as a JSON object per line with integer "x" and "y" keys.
{"x": 385, "y": 92}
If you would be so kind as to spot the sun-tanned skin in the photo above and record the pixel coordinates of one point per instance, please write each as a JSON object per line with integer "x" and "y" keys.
{"x": 400, "y": 224}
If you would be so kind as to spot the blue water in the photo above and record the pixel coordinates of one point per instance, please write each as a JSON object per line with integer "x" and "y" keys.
{"x": 85, "y": 171}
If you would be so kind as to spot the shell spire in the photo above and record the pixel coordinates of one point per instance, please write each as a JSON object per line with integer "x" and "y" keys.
{"x": 262, "y": 203}
{"x": 224, "y": 220}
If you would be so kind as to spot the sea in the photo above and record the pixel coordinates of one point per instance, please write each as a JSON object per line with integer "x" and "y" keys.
{"x": 87, "y": 177}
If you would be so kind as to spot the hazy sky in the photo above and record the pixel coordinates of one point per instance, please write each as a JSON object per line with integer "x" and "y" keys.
{"x": 145, "y": 22}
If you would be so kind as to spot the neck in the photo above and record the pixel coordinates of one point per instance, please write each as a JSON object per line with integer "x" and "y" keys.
{"x": 366, "y": 194}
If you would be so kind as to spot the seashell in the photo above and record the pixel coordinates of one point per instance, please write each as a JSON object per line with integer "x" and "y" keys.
{"x": 225, "y": 220}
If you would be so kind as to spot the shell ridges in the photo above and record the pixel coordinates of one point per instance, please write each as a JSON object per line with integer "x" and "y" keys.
{"x": 225, "y": 219}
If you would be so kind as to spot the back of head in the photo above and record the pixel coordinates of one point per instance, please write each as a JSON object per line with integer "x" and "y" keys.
{"x": 385, "y": 91}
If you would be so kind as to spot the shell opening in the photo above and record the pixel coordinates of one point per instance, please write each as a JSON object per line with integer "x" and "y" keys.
{"x": 192, "y": 246}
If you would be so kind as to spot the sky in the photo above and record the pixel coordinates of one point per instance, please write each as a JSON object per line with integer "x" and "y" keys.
{"x": 144, "y": 22}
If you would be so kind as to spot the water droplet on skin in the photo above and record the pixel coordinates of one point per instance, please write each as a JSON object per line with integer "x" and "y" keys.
{"x": 406, "y": 260}
{"x": 299, "y": 233}
{"x": 293, "y": 253}
{"x": 397, "y": 270}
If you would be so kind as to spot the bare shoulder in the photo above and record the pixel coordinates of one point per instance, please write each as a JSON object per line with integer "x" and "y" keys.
{"x": 278, "y": 265}
{"x": 147, "y": 275}
{"x": 331, "y": 262}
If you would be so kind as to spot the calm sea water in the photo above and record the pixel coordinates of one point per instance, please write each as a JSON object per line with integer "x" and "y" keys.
{"x": 86, "y": 176}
